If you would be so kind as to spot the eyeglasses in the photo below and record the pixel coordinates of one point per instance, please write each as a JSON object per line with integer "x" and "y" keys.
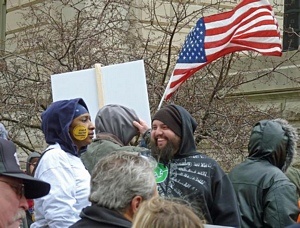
{"x": 18, "y": 188}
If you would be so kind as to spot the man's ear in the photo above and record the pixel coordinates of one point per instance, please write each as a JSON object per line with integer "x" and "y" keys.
{"x": 133, "y": 207}
{"x": 135, "y": 203}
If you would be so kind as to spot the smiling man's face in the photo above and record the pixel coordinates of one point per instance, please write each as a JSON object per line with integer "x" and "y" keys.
{"x": 164, "y": 142}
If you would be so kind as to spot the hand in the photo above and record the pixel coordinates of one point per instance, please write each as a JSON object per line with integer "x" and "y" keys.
{"x": 141, "y": 126}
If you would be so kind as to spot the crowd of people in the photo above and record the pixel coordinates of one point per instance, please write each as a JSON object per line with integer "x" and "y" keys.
{"x": 164, "y": 182}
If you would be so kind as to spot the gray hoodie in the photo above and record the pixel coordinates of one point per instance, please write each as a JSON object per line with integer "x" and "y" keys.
{"x": 117, "y": 120}
{"x": 114, "y": 128}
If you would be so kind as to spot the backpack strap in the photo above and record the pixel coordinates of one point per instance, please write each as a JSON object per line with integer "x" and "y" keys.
{"x": 38, "y": 162}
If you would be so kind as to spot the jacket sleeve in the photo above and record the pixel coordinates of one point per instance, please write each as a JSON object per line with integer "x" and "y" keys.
{"x": 281, "y": 205}
{"x": 225, "y": 210}
{"x": 57, "y": 208}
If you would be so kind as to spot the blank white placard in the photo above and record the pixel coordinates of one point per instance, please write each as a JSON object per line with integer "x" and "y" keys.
{"x": 123, "y": 84}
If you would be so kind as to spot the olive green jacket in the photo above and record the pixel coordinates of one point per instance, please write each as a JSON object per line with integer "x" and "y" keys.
{"x": 294, "y": 175}
{"x": 104, "y": 144}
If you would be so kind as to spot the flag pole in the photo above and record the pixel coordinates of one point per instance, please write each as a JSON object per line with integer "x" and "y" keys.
{"x": 163, "y": 96}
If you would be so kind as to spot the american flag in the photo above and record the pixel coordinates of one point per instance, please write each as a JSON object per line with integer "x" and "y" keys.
{"x": 251, "y": 25}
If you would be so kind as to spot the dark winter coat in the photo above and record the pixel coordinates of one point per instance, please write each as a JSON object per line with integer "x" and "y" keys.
{"x": 266, "y": 196}
{"x": 95, "y": 216}
{"x": 198, "y": 179}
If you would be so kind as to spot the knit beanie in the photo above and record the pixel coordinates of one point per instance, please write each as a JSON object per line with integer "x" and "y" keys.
{"x": 170, "y": 116}
{"x": 79, "y": 110}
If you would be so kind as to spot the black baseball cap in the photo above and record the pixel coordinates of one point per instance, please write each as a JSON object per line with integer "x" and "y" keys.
{"x": 9, "y": 166}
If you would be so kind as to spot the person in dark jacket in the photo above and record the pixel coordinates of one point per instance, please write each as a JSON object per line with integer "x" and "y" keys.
{"x": 114, "y": 131}
{"x": 30, "y": 164}
{"x": 182, "y": 172}
{"x": 266, "y": 196}
{"x": 120, "y": 182}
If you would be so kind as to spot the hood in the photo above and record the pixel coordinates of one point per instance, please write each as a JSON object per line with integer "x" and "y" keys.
{"x": 31, "y": 156}
{"x": 273, "y": 140}
{"x": 189, "y": 125}
{"x": 56, "y": 120}
{"x": 117, "y": 120}
{"x": 3, "y": 132}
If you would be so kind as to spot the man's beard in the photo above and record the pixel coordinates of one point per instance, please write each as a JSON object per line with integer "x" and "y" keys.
{"x": 21, "y": 214}
{"x": 166, "y": 153}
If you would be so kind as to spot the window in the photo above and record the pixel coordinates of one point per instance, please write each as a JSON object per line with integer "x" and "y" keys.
{"x": 291, "y": 25}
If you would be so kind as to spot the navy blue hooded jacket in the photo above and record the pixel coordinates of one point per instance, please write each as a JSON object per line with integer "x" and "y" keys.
{"x": 56, "y": 121}
{"x": 61, "y": 166}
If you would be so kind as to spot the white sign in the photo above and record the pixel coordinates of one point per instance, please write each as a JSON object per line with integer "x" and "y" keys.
{"x": 123, "y": 84}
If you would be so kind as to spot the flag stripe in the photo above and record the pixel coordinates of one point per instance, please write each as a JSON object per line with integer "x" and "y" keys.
{"x": 227, "y": 26}
{"x": 223, "y": 16}
{"x": 250, "y": 26}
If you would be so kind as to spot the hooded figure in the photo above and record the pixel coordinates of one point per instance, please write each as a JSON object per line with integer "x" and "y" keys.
{"x": 68, "y": 130}
{"x": 29, "y": 163}
{"x": 56, "y": 122}
{"x": 115, "y": 130}
{"x": 183, "y": 172}
{"x": 266, "y": 196}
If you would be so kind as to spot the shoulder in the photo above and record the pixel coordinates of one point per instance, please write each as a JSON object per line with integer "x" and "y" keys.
{"x": 280, "y": 176}
{"x": 205, "y": 163}
{"x": 203, "y": 159}
{"x": 54, "y": 157}
{"x": 100, "y": 147}
{"x": 54, "y": 153}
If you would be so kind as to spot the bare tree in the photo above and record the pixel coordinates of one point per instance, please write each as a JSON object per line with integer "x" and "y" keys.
{"x": 60, "y": 36}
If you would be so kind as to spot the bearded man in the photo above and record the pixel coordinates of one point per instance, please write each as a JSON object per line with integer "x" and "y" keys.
{"x": 182, "y": 172}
